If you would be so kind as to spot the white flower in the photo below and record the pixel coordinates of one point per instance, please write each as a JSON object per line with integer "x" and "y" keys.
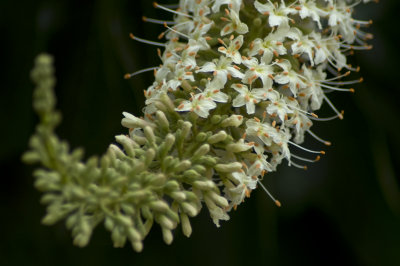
{"x": 197, "y": 38}
{"x": 279, "y": 108}
{"x": 262, "y": 131}
{"x": 244, "y": 183}
{"x": 271, "y": 45}
{"x": 278, "y": 13}
{"x": 301, "y": 123}
{"x": 213, "y": 91}
{"x": 289, "y": 76}
{"x": 234, "y": 25}
{"x": 308, "y": 8}
{"x": 221, "y": 68}
{"x": 248, "y": 98}
{"x": 179, "y": 75}
{"x": 232, "y": 4}
{"x": 232, "y": 51}
{"x": 302, "y": 44}
{"x": 199, "y": 104}
{"x": 313, "y": 91}
{"x": 258, "y": 70}
{"x": 327, "y": 49}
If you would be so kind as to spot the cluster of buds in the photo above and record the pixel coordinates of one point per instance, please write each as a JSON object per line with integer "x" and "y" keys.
{"x": 235, "y": 95}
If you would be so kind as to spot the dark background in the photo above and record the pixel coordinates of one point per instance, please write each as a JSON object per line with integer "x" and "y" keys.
{"x": 343, "y": 211}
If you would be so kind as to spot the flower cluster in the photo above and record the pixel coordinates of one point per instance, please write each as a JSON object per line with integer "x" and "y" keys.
{"x": 235, "y": 95}
{"x": 268, "y": 61}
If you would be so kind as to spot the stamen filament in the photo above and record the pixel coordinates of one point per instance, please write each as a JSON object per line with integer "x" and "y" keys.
{"x": 328, "y": 143}
{"x": 305, "y": 159}
{"x": 333, "y": 107}
{"x": 130, "y": 75}
{"x": 269, "y": 194}
{"x": 304, "y": 167}
{"x": 305, "y": 149}
{"x": 327, "y": 118}
{"x": 156, "y": 5}
{"x": 173, "y": 30}
{"x": 133, "y": 37}
{"x": 157, "y": 21}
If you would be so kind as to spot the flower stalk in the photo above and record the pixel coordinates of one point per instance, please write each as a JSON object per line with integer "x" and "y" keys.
{"x": 237, "y": 90}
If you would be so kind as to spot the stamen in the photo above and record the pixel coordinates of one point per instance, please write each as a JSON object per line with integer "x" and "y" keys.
{"x": 350, "y": 82}
{"x": 157, "y": 21}
{"x": 304, "y": 112}
{"x": 156, "y": 5}
{"x": 337, "y": 77}
{"x": 173, "y": 30}
{"x": 334, "y": 88}
{"x": 328, "y": 118}
{"x": 304, "y": 167}
{"x": 305, "y": 149}
{"x": 133, "y": 37}
{"x": 333, "y": 107}
{"x": 327, "y": 143}
{"x": 305, "y": 159}
{"x": 130, "y": 75}
{"x": 269, "y": 194}
{"x": 356, "y": 47}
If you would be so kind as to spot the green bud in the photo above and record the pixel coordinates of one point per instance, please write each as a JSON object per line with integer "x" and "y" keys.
{"x": 109, "y": 223}
{"x": 162, "y": 120}
{"x": 219, "y": 200}
{"x": 204, "y": 185}
{"x": 116, "y": 152}
{"x": 238, "y": 147}
{"x": 165, "y": 222}
{"x": 216, "y": 119}
{"x": 202, "y": 150}
{"x": 149, "y": 157}
{"x": 133, "y": 234}
{"x": 128, "y": 144}
{"x": 167, "y": 236}
{"x": 160, "y": 106}
{"x": 201, "y": 137}
{"x": 137, "y": 245}
{"x": 123, "y": 220}
{"x": 172, "y": 185}
{"x": 257, "y": 22}
{"x": 232, "y": 121}
{"x": 208, "y": 161}
{"x": 218, "y": 137}
{"x": 159, "y": 206}
{"x": 128, "y": 209}
{"x": 157, "y": 180}
{"x": 189, "y": 209}
{"x": 191, "y": 174}
{"x": 228, "y": 168}
{"x": 199, "y": 169}
{"x": 71, "y": 221}
{"x": 131, "y": 121}
{"x": 81, "y": 240}
{"x": 149, "y": 134}
{"x": 138, "y": 139}
{"x": 31, "y": 157}
{"x": 182, "y": 166}
{"x": 118, "y": 238}
{"x": 186, "y": 126}
{"x": 178, "y": 196}
{"x": 186, "y": 227}
{"x": 167, "y": 102}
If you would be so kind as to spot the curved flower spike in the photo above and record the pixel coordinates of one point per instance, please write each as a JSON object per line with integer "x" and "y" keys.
{"x": 197, "y": 146}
